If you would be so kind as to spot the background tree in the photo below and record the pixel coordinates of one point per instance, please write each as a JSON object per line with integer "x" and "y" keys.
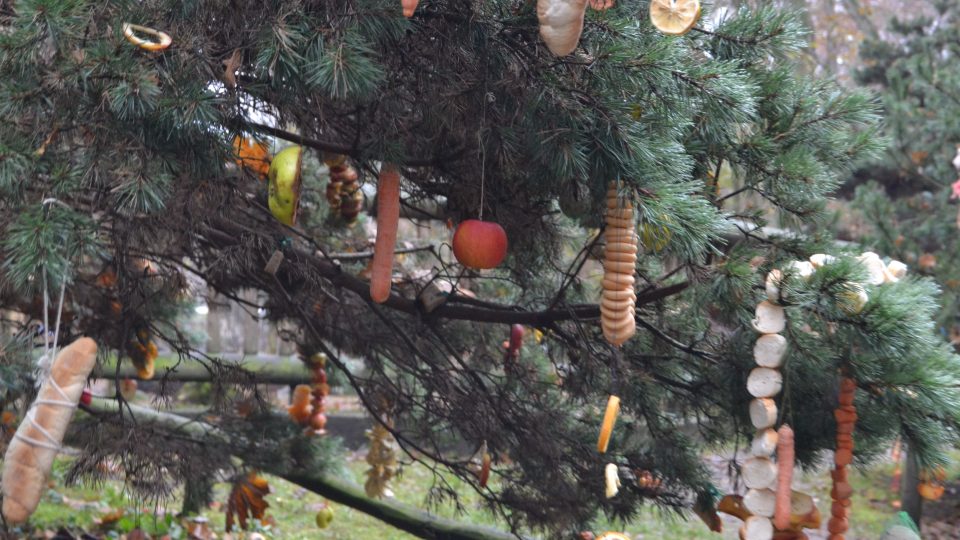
{"x": 136, "y": 149}
{"x": 905, "y": 203}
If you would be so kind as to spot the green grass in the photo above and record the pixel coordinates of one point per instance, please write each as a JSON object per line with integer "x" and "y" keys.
{"x": 292, "y": 509}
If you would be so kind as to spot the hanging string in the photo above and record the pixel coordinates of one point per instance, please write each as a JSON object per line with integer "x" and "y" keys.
{"x": 56, "y": 332}
{"x": 46, "y": 321}
{"x": 483, "y": 123}
{"x": 483, "y": 153}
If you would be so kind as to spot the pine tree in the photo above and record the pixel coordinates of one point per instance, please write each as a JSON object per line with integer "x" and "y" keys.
{"x": 906, "y": 200}
{"x": 119, "y": 162}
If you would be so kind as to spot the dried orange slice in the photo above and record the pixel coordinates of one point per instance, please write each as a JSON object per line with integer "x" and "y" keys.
{"x": 162, "y": 40}
{"x": 674, "y": 17}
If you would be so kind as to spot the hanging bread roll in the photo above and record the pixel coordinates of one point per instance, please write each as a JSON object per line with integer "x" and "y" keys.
{"x": 773, "y": 285}
{"x": 769, "y": 350}
{"x": 611, "y": 480}
{"x": 763, "y": 413}
{"x": 764, "y": 382}
{"x": 759, "y": 473}
{"x": 618, "y": 300}
{"x": 757, "y": 528}
{"x": 37, "y": 441}
{"x": 760, "y": 502}
{"x": 561, "y": 22}
{"x": 770, "y": 318}
{"x": 764, "y": 443}
{"x": 804, "y": 514}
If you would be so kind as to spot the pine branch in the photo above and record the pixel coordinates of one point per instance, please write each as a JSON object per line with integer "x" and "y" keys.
{"x": 405, "y": 518}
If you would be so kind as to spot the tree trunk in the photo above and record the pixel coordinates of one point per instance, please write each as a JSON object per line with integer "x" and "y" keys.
{"x": 910, "y": 499}
{"x": 197, "y": 495}
{"x": 412, "y": 520}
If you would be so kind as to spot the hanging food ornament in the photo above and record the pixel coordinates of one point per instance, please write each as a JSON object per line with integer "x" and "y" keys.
{"x": 674, "y": 17}
{"x": 611, "y": 478}
{"x": 705, "y": 507}
{"x": 324, "y": 516}
{"x": 318, "y": 420}
{"x": 162, "y": 40}
{"x": 804, "y": 514}
{"x": 601, "y": 5}
{"x": 382, "y": 458}
{"x": 143, "y": 352}
{"x": 931, "y": 485}
{"x": 842, "y": 492}
{"x": 770, "y": 506}
{"x": 619, "y": 264}
{"x": 479, "y": 245}
{"x": 285, "y": 184}
{"x": 388, "y": 219}
{"x": 785, "y": 457}
{"x": 609, "y": 419}
{"x": 561, "y": 23}
{"x": 610, "y": 535}
{"x": 512, "y": 346}
{"x": 351, "y": 198}
{"x": 485, "y": 463}
{"x": 334, "y": 189}
{"x": 300, "y": 407}
{"x": 30, "y": 454}
{"x": 252, "y": 155}
{"x": 654, "y": 238}
{"x": 409, "y": 6}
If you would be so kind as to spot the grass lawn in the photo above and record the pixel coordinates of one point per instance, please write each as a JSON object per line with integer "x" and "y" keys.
{"x": 292, "y": 510}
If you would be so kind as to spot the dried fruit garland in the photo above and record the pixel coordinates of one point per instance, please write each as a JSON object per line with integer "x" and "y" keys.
{"x": 307, "y": 404}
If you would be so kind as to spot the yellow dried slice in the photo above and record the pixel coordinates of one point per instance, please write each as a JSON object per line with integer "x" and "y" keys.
{"x": 674, "y": 17}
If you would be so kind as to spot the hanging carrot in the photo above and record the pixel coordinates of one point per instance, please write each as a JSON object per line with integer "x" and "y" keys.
{"x": 785, "y": 455}
{"x": 388, "y": 216}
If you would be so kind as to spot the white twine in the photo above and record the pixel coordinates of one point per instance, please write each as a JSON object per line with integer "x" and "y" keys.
{"x": 54, "y": 443}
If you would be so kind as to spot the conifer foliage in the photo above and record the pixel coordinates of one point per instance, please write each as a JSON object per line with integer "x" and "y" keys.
{"x": 116, "y": 158}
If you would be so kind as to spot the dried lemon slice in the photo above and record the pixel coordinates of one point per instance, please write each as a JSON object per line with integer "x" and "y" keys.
{"x": 674, "y": 17}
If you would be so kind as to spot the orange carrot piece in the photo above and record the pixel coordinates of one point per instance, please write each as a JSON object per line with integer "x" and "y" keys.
{"x": 609, "y": 419}
{"x": 409, "y": 6}
{"x": 388, "y": 217}
{"x": 785, "y": 457}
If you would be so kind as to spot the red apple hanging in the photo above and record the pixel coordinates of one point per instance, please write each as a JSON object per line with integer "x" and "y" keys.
{"x": 479, "y": 244}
